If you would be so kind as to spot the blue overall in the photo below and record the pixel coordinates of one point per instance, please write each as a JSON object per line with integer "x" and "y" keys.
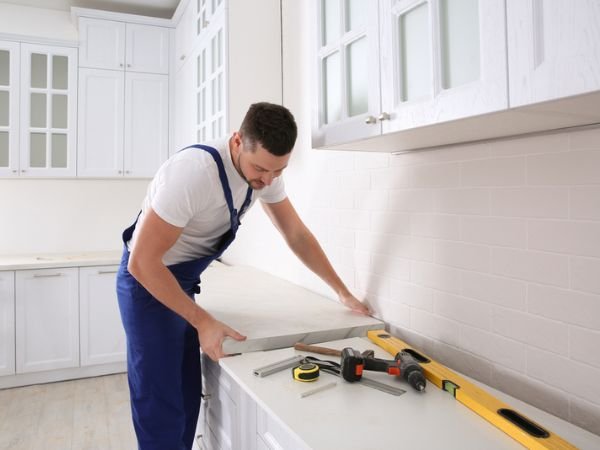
{"x": 163, "y": 356}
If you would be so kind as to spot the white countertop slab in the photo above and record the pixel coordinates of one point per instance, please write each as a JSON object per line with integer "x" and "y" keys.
{"x": 51, "y": 260}
{"x": 354, "y": 417}
{"x": 272, "y": 312}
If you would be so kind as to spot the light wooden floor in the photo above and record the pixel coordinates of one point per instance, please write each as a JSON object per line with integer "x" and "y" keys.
{"x": 91, "y": 413}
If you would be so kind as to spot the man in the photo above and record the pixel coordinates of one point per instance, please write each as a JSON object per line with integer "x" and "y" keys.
{"x": 189, "y": 217}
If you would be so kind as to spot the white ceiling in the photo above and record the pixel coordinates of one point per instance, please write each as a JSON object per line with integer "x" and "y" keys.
{"x": 154, "y": 8}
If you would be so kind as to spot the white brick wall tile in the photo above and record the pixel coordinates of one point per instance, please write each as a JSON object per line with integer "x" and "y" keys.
{"x": 571, "y": 376}
{"x": 397, "y": 245}
{"x": 462, "y": 201}
{"x": 493, "y": 172}
{"x": 411, "y": 200}
{"x": 390, "y": 311}
{"x": 358, "y": 259}
{"x": 371, "y": 242}
{"x": 505, "y": 232}
{"x": 584, "y": 345}
{"x": 353, "y": 181}
{"x": 371, "y": 160}
{"x": 464, "y": 256}
{"x": 585, "y": 415}
{"x": 342, "y": 238}
{"x": 388, "y": 266}
{"x": 371, "y": 200}
{"x": 567, "y": 306}
{"x": 439, "y": 226}
{"x": 585, "y": 139}
{"x": 411, "y": 295}
{"x": 471, "y": 312}
{"x": 529, "y": 329}
{"x": 421, "y": 249}
{"x": 454, "y": 153}
{"x": 352, "y": 220}
{"x": 339, "y": 161}
{"x": 492, "y": 289}
{"x": 434, "y": 326}
{"x": 576, "y": 238}
{"x": 443, "y": 278}
{"x": 342, "y": 199}
{"x": 529, "y": 390}
{"x": 499, "y": 350}
{"x": 585, "y": 202}
{"x": 463, "y": 362}
{"x": 577, "y": 167}
{"x": 436, "y": 175}
{"x": 546, "y": 268}
{"x": 526, "y": 146}
{"x": 585, "y": 274}
{"x": 390, "y": 178}
{"x": 373, "y": 285}
{"x": 390, "y": 222}
{"x": 548, "y": 202}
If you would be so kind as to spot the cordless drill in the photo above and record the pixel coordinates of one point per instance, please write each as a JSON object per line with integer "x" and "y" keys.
{"x": 404, "y": 365}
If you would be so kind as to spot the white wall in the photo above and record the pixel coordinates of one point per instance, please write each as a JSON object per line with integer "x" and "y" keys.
{"x": 23, "y": 21}
{"x": 58, "y": 216}
{"x": 486, "y": 256}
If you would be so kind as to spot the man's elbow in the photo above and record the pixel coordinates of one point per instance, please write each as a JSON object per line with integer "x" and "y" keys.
{"x": 135, "y": 266}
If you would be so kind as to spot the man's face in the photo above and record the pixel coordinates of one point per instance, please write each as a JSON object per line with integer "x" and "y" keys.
{"x": 259, "y": 167}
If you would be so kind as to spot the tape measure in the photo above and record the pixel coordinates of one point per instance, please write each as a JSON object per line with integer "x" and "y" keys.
{"x": 306, "y": 372}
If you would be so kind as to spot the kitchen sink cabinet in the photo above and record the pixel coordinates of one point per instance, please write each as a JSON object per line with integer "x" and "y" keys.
{"x": 7, "y": 323}
{"x": 102, "y": 338}
{"x": 47, "y": 319}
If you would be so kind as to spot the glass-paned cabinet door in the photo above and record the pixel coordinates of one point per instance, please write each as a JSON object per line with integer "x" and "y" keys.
{"x": 48, "y": 110}
{"x": 205, "y": 12}
{"x": 441, "y": 60}
{"x": 347, "y": 92}
{"x": 9, "y": 108}
{"x": 210, "y": 87}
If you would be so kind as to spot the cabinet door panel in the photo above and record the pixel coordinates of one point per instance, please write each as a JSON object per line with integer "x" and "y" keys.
{"x": 146, "y": 123}
{"x": 101, "y": 44}
{"x": 7, "y": 323}
{"x": 102, "y": 337}
{"x": 553, "y": 49}
{"x": 101, "y": 114}
{"x": 185, "y": 115}
{"x": 147, "y": 49}
{"x": 9, "y": 108}
{"x": 47, "y": 319}
{"x": 184, "y": 36}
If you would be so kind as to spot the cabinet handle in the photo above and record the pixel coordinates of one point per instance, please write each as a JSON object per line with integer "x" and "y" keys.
{"x": 384, "y": 116}
{"x": 106, "y": 272}
{"x": 128, "y": 65}
{"x": 182, "y": 57}
{"x": 205, "y": 23}
{"x": 23, "y": 171}
{"x": 128, "y": 172}
{"x": 49, "y": 275}
{"x": 120, "y": 64}
{"x": 370, "y": 120}
{"x": 120, "y": 172}
{"x": 14, "y": 171}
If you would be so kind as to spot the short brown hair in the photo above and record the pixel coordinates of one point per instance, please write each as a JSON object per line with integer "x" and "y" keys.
{"x": 271, "y": 125}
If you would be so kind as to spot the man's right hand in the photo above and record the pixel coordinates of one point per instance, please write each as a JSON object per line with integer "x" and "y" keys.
{"x": 211, "y": 334}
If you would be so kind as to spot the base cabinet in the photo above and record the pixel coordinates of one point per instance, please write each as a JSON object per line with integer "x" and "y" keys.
{"x": 7, "y": 323}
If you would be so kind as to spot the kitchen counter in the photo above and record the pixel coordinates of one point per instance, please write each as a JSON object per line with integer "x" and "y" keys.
{"x": 355, "y": 417}
{"x": 51, "y": 260}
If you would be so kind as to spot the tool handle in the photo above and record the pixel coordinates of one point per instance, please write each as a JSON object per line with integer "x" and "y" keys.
{"x": 316, "y": 349}
{"x": 379, "y": 365}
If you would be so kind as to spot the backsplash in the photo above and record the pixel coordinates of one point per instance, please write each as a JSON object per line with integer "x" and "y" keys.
{"x": 484, "y": 256}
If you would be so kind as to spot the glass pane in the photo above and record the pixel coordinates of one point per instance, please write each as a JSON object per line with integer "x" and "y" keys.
{"x": 60, "y": 72}
{"x": 220, "y": 92}
{"x": 459, "y": 38}
{"x": 415, "y": 53}
{"x": 39, "y": 70}
{"x": 3, "y": 149}
{"x": 214, "y": 55}
{"x": 199, "y": 76}
{"x": 59, "y": 150}
{"x": 214, "y": 96}
{"x": 221, "y": 127}
{"x": 203, "y": 105}
{"x": 37, "y": 150}
{"x": 356, "y": 14}
{"x": 220, "y": 48}
{"x": 331, "y": 88}
{"x": 198, "y": 108}
{"x": 4, "y": 102}
{"x": 4, "y": 68}
{"x": 331, "y": 20}
{"x": 38, "y": 110}
{"x": 358, "y": 92}
{"x": 59, "y": 111}
{"x": 203, "y": 78}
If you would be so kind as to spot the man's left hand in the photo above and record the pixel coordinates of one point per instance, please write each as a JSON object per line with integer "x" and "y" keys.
{"x": 350, "y": 301}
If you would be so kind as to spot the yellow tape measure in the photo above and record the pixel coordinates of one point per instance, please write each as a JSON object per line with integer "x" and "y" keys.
{"x": 306, "y": 372}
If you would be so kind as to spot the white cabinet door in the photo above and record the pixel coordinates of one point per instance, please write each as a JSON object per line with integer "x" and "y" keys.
{"x": 102, "y": 338}
{"x": 147, "y": 49}
{"x": 184, "y": 35}
{"x": 10, "y": 55}
{"x": 101, "y": 116}
{"x": 441, "y": 60}
{"x": 47, "y": 319}
{"x": 185, "y": 114}
{"x": 48, "y": 110}
{"x": 146, "y": 123}
{"x": 7, "y": 323}
{"x": 101, "y": 44}
{"x": 347, "y": 94}
{"x": 553, "y": 49}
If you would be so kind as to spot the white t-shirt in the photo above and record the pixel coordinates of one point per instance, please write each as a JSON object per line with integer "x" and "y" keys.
{"x": 186, "y": 192}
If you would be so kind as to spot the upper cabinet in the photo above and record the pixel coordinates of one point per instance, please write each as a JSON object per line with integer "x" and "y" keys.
{"x": 553, "y": 49}
{"x": 108, "y": 44}
{"x": 9, "y": 108}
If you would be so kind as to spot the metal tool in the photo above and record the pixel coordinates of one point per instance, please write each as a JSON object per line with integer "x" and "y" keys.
{"x": 278, "y": 366}
{"x": 381, "y": 386}
{"x": 318, "y": 389}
